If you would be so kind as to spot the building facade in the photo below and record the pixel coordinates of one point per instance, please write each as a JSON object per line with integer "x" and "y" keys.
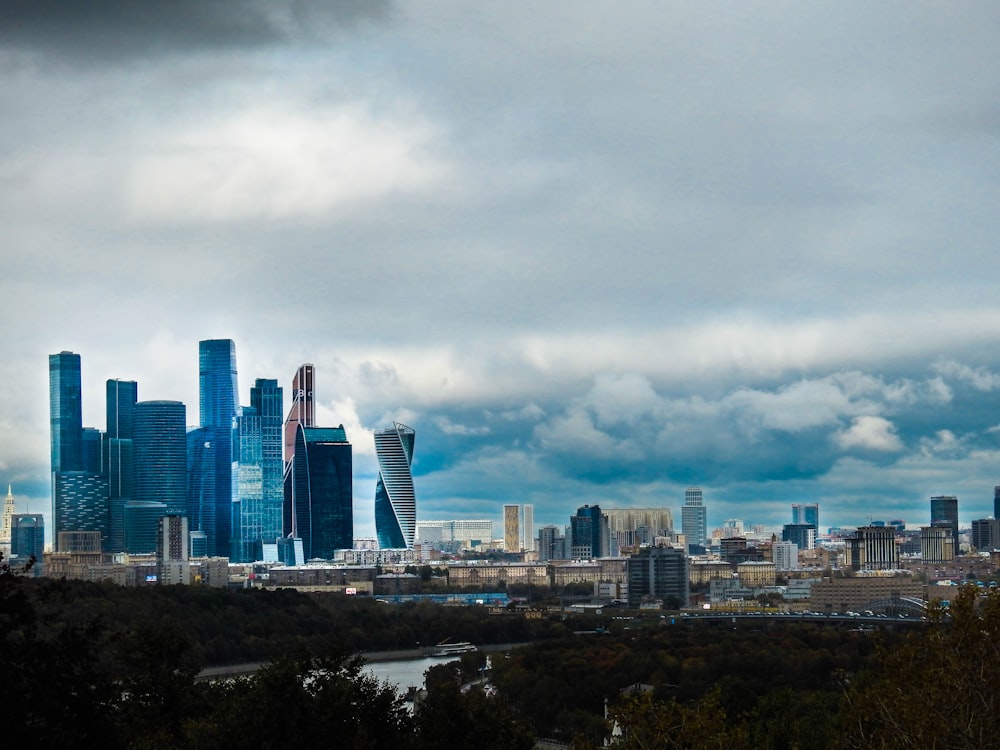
{"x": 257, "y": 507}
{"x": 658, "y": 573}
{"x": 872, "y": 548}
{"x": 694, "y": 523}
{"x": 217, "y": 409}
{"x": 118, "y": 455}
{"x": 395, "y": 498}
{"x": 944, "y": 513}
{"x": 319, "y": 492}
{"x": 512, "y": 528}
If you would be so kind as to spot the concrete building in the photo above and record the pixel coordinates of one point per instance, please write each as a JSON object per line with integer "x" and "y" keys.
{"x": 658, "y": 573}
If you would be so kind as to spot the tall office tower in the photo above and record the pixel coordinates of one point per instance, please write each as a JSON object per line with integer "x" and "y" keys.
{"x": 217, "y": 401}
{"x": 693, "y": 519}
{"x": 5, "y": 520}
{"x": 159, "y": 452}
{"x": 303, "y": 410}
{"x": 319, "y": 492}
{"x": 658, "y": 573}
{"x": 528, "y": 529}
{"x": 803, "y": 535}
{"x": 589, "y": 532}
{"x": 806, "y": 514}
{"x": 122, "y": 396}
{"x": 90, "y": 440}
{"x": 630, "y": 527}
{"x": 257, "y": 507}
{"x": 936, "y": 544}
{"x": 65, "y": 413}
{"x": 172, "y": 550}
{"x": 201, "y": 460}
{"x": 28, "y": 538}
{"x": 996, "y": 502}
{"x": 944, "y": 512}
{"x": 873, "y": 548}
{"x": 985, "y": 534}
{"x": 395, "y": 499}
{"x": 551, "y": 544}
{"x": 786, "y": 555}
{"x": 512, "y": 528}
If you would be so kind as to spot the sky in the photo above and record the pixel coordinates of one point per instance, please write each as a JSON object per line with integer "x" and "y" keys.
{"x": 590, "y": 252}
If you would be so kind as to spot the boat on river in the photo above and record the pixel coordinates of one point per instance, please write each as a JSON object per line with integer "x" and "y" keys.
{"x": 453, "y": 649}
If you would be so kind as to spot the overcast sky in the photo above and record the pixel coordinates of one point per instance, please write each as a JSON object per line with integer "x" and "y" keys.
{"x": 591, "y": 252}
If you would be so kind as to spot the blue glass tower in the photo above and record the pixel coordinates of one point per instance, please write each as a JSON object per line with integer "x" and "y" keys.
{"x": 257, "y": 508}
{"x": 319, "y": 491}
{"x": 160, "y": 470}
{"x": 395, "y": 499}
{"x": 217, "y": 400}
{"x": 79, "y": 489}
{"x": 122, "y": 396}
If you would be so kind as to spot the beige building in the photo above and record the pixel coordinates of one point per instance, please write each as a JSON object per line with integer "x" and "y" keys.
{"x": 471, "y": 574}
{"x": 756, "y": 574}
{"x": 859, "y": 593}
{"x": 701, "y": 572}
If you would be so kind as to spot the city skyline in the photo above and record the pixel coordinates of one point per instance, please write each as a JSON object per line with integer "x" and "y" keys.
{"x": 593, "y": 259}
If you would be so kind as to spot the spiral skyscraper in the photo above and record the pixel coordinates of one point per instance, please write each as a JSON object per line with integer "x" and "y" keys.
{"x": 395, "y": 501}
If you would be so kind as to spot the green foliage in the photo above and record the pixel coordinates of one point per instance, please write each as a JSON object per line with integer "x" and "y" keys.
{"x": 939, "y": 690}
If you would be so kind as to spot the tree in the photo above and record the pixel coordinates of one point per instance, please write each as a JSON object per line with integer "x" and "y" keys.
{"x": 939, "y": 690}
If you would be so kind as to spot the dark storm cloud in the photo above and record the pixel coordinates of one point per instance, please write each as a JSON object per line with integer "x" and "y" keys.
{"x": 115, "y": 30}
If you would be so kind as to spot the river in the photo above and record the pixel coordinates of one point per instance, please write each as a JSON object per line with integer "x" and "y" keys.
{"x": 405, "y": 673}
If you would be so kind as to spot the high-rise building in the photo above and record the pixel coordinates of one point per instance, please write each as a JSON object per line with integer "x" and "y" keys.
{"x": 936, "y": 544}
{"x": 303, "y": 411}
{"x": 873, "y": 548}
{"x": 512, "y": 528}
{"x": 996, "y": 501}
{"x": 802, "y": 535}
{"x": 658, "y": 573}
{"x": 65, "y": 413}
{"x": 395, "y": 499}
{"x": 5, "y": 520}
{"x": 806, "y": 513}
{"x": 257, "y": 506}
{"x": 944, "y": 512}
{"x": 589, "y": 532}
{"x": 172, "y": 550}
{"x": 159, "y": 452}
{"x": 528, "y": 527}
{"x": 319, "y": 492}
{"x": 985, "y": 534}
{"x": 122, "y": 396}
{"x": 27, "y": 539}
{"x": 694, "y": 519}
{"x": 217, "y": 401}
{"x": 785, "y": 555}
{"x": 552, "y": 544}
{"x": 631, "y": 527}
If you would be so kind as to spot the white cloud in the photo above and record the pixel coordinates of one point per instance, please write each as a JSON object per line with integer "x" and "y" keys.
{"x": 869, "y": 433}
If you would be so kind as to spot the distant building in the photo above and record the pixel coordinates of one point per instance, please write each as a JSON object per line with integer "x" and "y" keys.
{"x": 552, "y": 544}
{"x": 985, "y": 535}
{"x": 589, "y": 532}
{"x": 172, "y": 551}
{"x": 803, "y": 535}
{"x": 512, "y": 528}
{"x": 319, "y": 492}
{"x": 872, "y": 548}
{"x": 160, "y": 479}
{"x": 27, "y": 539}
{"x": 658, "y": 573}
{"x": 217, "y": 408}
{"x": 936, "y": 544}
{"x": 944, "y": 513}
{"x": 631, "y": 527}
{"x": 395, "y": 499}
{"x": 693, "y": 519}
{"x": 528, "y": 527}
{"x": 118, "y": 455}
{"x": 303, "y": 411}
{"x": 806, "y": 513}
{"x": 257, "y": 506}
{"x": 785, "y": 555}
{"x": 6, "y": 519}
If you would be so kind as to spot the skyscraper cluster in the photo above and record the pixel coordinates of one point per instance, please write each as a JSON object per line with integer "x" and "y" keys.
{"x": 246, "y": 482}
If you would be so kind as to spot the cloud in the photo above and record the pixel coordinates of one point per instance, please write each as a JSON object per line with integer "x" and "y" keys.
{"x": 262, "y": 165}
{"x": 979, "y": 378}
{"x": 869, "y": 433}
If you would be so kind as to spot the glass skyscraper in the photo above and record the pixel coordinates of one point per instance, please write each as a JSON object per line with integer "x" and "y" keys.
{"x": 65, "y": 413}
{"x": 122, "y": 396}
{"x": 257, "y": 507}
{"x": 217, "y": 402}
{"x": 395, "y": 499}
{"x": 693, "y": 519}
{"x": 944, "y": 512}
{"x": 159, "y": 450}
{"x": 319, "y": 491}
